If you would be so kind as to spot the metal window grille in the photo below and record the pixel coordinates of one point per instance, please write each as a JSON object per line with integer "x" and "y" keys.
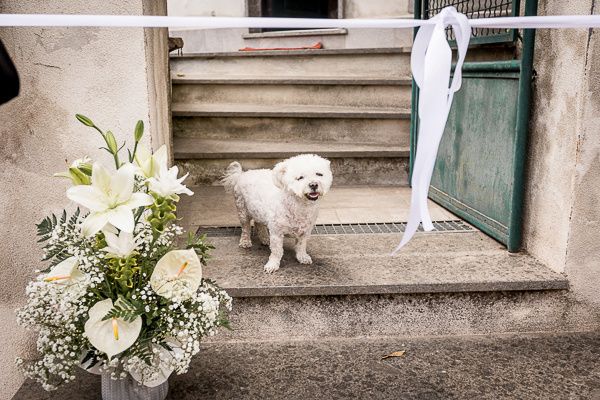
{"x": 474, "y": 9}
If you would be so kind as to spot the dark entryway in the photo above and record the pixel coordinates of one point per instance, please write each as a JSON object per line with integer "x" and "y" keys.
{"x": 292, "y": 9}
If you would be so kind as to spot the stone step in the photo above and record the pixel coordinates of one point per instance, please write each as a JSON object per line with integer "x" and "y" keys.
{"x": 369, "y": 93}
{"x": 207, "y": 159}
{"x": 287, "y": 111}
{"x": 361, "y": 63}
{"x": 440, "y": 284}
{"x": 340, "y": 130}
{"x": 523, "y": 366}
{"x": 192, "y": 148}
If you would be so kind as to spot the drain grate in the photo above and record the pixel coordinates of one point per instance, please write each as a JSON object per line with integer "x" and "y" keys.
{"x": 350, "y": 229}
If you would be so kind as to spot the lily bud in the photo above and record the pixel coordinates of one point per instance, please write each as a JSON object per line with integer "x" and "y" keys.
{"x": 78, "y": 177}
{"x": 84, "y": 120}
{"x": 111, "y": 142}
{"x": 139, "y": 131}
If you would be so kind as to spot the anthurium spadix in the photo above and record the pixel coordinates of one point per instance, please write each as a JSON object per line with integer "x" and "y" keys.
{"x": 150, "y": 164}
{"x": 66, "y": 273}
{"x": 110, "y": 199}
{"x": 177, "y": 275}
{"x": 113, "y": 335}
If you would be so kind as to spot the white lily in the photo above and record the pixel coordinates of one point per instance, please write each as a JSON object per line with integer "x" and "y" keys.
{"x": 166, "y": 183}
{"x": 119, "y": 246}
{"x": 66, "y": 273}
{"x": 151, "y": 163}
{"x": 158, "y": 372}
{"x": 114, "y": 335}
{"x": 110, "y": 199}
{"x": 177, "y": 275}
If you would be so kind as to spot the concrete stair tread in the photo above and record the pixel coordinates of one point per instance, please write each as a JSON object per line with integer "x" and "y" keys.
{"x": 196, "y": 148}
{"x": 311, "y": 52}
{"x": 183, "y": 78}
{"x": 296, "y": 111}
{"x": 499, "y": 366}
{"x": 361, "y": 264}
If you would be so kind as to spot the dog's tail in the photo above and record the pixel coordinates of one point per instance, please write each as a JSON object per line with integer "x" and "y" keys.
{"x": 232, "y": 174}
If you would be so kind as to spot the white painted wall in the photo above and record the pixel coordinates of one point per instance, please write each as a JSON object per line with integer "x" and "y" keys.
{"x": 207, "y": 8}
{"x": 102, "y": 73}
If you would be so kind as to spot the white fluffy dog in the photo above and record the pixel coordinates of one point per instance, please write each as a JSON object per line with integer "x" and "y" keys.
{"x": 281, "y": 201}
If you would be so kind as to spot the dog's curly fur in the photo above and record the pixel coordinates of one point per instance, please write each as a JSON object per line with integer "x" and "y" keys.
{"x": 282, "y": 201}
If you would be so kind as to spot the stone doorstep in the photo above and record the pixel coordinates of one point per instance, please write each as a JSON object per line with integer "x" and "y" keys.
{"x": 499, "y": 366}
{"x": 360, "y": 264}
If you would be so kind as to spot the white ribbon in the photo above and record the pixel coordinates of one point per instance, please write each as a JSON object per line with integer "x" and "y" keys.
{"x": 431, "y": 62}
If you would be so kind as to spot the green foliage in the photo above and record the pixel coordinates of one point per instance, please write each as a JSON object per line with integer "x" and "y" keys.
{"x": 55, "y": 251}
{"x": 123, "y": 271}
{"x": 127, "y": 310}
{"x": 162, "y": 212}
{"x": 143, "y": 350}
{"x": 200, "y": 245}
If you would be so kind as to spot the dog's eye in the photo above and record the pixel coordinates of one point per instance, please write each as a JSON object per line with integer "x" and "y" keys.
{"x": 299, "y": 178}
{"x": 319, "y": 174}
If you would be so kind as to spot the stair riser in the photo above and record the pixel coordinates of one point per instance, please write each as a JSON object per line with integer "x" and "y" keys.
{"x": 329, "y": 95}
{"x": 346, "y": 65}
{"x": 346, "y": 171}
{"x": 379, "y": 131}
{"x": 289, "y": 318}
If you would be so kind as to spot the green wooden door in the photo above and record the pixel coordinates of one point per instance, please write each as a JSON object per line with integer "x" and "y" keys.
{"x": 479, "y": 168}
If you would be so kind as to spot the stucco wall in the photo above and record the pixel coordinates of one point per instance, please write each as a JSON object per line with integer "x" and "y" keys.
{"x": 207, "y": 8}
{"x": 562, "y": 210}
{"x": 101, "y": 73}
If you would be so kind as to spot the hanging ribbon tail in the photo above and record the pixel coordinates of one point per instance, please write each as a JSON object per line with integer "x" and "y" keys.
{"x": 431, "y": 63}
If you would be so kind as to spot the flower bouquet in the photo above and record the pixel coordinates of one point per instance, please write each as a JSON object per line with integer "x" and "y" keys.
{"x": 118, "y": 297}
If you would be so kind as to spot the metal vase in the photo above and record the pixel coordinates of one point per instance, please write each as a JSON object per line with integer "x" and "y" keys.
{"x": 129, "y": 389}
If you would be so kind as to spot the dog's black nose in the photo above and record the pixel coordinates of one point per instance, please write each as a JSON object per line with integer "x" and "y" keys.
{"x": 313, "y": 185}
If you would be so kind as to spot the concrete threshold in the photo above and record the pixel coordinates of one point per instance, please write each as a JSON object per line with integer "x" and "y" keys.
{"x": 361, "y": 265}
{"x": 315, "y": 52}
{"x": 181, "y": 78}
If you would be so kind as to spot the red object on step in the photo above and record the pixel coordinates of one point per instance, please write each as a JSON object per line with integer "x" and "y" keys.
{"x": 315, "y": 46}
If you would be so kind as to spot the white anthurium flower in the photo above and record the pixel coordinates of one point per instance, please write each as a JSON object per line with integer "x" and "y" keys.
{"x": 110, "y": 199}
{"x": 150, "y": 164}
{"x": 177, "y": 275}
{"x": 158, "y": 373}
{"x": 166, "y": 183}
{"x": 119, "y": 246}
{"x": 66, "y": 273}
{"x": 111, "y": 336}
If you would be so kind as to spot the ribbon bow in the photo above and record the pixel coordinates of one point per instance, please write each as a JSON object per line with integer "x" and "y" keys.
{"x": 431, "y": 63}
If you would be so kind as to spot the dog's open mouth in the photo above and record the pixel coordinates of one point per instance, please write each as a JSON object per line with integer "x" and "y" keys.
{"x": 312, "y": 196}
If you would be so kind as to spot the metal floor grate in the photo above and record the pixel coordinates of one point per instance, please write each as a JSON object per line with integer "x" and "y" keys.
{"x": 350, "y": 229}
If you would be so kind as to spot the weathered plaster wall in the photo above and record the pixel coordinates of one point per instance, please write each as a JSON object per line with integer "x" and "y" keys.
{"x": 559, "y": 62}
{"x": 562, "y": 199}
{"x": 101, "y": 73}
{"x": 583, "y": 246}
{"x": 207, "y": 8}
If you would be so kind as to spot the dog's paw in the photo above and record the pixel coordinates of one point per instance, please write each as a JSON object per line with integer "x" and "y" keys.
{"x": 304, "y": 258}
{"x": 245, "y": 243}
{"x": 271, "y": 267}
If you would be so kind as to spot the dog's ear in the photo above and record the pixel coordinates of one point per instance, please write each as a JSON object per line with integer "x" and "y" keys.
{"x": 278, "y": 173}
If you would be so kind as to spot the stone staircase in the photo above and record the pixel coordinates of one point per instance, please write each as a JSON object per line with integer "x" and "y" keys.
{"x": 349, "y": 105}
